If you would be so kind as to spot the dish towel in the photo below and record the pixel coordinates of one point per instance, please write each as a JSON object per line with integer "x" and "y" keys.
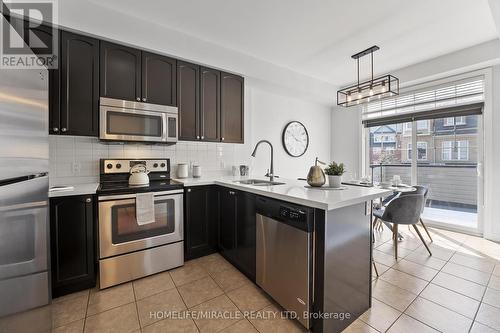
{"x": 144, "y": 208}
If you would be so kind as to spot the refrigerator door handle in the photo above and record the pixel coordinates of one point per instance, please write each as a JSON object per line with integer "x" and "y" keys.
{"x": 10, "y": 181}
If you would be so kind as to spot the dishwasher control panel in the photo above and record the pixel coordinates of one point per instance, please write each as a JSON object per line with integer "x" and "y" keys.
{"x": 293, "y": 214}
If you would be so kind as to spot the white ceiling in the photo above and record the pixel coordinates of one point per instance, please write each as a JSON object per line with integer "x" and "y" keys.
{"x": 317, "y": 37}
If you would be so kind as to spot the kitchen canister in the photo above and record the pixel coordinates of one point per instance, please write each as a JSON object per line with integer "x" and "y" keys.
{"x": 196, "y": 171}
{"x": 182, "y": 170}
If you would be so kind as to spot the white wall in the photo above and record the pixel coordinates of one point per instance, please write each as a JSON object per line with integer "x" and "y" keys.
{"x": 269, "y": 114}
{"x": 273, "y": 97}
{"x": 346, "y": 139}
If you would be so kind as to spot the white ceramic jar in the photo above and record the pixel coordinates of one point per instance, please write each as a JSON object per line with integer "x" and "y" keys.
{"x": 182, "y": 170}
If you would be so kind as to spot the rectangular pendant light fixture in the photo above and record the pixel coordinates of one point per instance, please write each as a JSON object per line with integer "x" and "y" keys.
{"x": 370, "y": 90}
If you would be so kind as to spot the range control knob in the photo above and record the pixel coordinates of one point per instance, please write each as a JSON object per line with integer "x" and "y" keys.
{"x": 162, "y": 165}
{"x": 109, "y": 165}
{"x": 155, "y": 165}
{"x": 118, "y": 166}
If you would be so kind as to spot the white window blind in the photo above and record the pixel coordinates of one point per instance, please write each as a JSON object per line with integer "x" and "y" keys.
{"x": 448, "y": 98}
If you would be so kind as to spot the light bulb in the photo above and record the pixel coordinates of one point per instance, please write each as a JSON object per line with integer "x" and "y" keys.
{"x": 371, "y": 92}
{"x": 360, "y": 96}
{"x": 383, "y": 89}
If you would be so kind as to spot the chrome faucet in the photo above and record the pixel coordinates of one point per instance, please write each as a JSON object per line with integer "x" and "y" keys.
{"x": 270, "y": 172}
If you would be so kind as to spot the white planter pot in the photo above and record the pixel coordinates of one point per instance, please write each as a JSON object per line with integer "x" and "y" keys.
{"x": 334, "y": 181}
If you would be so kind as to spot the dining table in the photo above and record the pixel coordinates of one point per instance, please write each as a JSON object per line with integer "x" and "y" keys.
{"x": 396, "y": 189}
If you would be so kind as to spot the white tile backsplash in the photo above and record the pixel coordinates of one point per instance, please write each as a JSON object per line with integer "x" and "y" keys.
{"x": 75, "y": 160}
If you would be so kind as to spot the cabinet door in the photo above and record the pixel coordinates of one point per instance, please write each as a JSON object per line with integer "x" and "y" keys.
{"x": 72, "y": 244}
{"x": 79, "y": 85}
{"x": 159, "y": 79}
{"x": 227, "y": 222}
{"x": 210, "y": 104}
{"x": 45, "y": 33}
{"x": 199, "y": 221}
{"x": 245, "y": 233}
{"x": 188, "y": 94}
{"x": 232, "y": 109}
{"x": 120, "y": 72}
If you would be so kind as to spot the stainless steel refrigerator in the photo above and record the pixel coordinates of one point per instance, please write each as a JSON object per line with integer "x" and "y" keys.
{"x": 24, "y": 181}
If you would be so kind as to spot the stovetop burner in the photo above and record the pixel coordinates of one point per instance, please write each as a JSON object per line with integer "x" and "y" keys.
{"x": 114, "y": 176}
{"x": 124, "y": 188}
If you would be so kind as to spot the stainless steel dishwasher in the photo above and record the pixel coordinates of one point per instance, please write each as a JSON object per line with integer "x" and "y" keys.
{"x": 284, "y": 255}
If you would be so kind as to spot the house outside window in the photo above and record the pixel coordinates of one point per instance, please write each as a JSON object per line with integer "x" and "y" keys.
{"x": 421, "y": 151}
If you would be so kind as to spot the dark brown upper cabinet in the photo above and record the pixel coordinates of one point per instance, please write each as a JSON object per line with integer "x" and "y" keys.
{"x": 158, "y": 79}
{"x": 232, "y": 109}
{"x": 79, "y": 94}
{"x": 210, "y": 104}
{"x": 188, "y": 100}
{"x": 120, "y": 72}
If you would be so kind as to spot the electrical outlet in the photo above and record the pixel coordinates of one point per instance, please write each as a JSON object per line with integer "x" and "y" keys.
{"x": 76, "y": 168}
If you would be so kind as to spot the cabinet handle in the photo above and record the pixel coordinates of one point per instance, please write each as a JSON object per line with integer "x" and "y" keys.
{"x": 189, "y": 190}
{"x": 144, "y": 99}
{"x": 55, "y": 129}
{"x": 88, "y": 200}
{"x": 63, "y": 129}
{"x": 138, "y": 99}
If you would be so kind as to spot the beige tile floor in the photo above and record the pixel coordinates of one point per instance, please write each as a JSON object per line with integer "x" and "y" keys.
{"x": 200, "y": 286}
{"x": 455, "y": 290}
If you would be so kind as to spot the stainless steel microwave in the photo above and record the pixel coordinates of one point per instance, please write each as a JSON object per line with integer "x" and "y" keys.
{"x": 134, "y": 121}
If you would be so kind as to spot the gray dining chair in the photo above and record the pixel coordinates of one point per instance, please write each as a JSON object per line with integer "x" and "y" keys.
{"x": 404, "y": 209}
{"x": 425, "y": 192}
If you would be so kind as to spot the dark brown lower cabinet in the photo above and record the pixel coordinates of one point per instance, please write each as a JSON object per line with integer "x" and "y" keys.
{"x": 237, "y": 228}
{"x": 72, "y": 243}
{"x": 200, "y": 221}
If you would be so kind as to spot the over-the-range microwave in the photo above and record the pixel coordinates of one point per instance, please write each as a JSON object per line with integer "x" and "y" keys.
{"x": 122, "y": 120}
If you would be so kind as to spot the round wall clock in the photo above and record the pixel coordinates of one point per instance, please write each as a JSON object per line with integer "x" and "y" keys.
{"x": 295, "y": 139}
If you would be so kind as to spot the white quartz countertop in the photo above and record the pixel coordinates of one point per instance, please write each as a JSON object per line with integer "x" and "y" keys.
{"x": 295, "y": 191}
{"x": 77, "y": 189}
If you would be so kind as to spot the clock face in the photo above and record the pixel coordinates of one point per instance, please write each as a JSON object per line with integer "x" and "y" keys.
{"x": 295, "y": 139}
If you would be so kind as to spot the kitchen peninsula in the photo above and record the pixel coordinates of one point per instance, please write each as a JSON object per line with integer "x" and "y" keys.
{"x": 340, "y": 245}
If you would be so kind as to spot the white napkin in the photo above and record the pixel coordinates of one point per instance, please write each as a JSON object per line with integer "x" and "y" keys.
{"x": 144, "y": 208}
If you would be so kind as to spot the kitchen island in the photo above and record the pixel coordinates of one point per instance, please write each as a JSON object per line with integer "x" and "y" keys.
{"x": 340, "y": 256}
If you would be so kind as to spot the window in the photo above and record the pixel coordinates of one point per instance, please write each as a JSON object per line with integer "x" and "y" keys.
{"x": 422, "y": 126}
{"x": 383, "y": 138}
{"x": 446, "y": 149}
{"x": 463, "y": 150}
{"x": 451, "y": 121}
{"x": 460, "y": 152}
{"x": 421, "y": 151}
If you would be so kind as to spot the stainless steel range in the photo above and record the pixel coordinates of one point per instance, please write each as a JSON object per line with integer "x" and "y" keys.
{"x": 129, "y": 249}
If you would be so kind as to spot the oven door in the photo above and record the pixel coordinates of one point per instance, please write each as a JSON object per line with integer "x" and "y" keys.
{"x": 123, "y": 124}
{"x": 119, "y": 232}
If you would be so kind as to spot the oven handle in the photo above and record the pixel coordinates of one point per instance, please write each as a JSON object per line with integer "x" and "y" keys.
{"x": 134, "y": 195}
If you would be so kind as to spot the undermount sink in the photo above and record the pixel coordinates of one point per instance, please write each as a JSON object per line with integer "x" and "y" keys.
{"x": 257, "y": 182}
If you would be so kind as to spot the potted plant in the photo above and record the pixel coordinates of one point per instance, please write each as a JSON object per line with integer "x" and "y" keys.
{"x": 334, "y": 172}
